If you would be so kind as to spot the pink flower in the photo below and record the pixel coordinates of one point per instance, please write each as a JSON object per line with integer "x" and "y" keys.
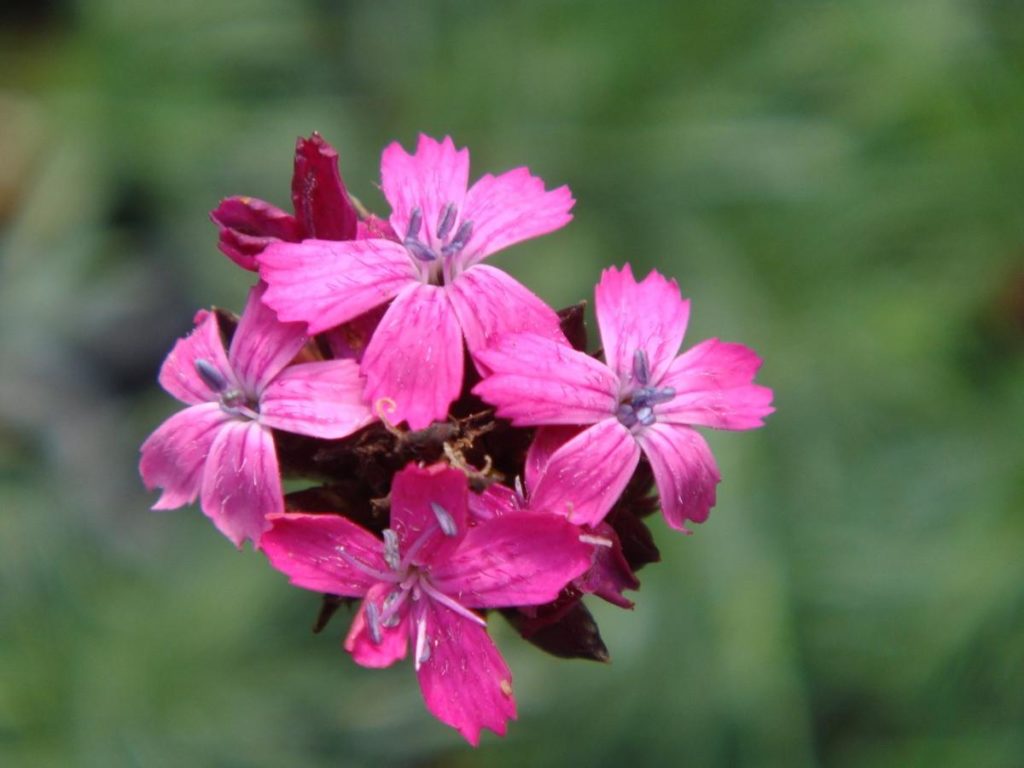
{"x": 322, "y": 208}
{"x": 423, "y": 583}
{"x": 221, "y": 447}
{"x": 645, "y": 399}
{"x": 441, "y": 291}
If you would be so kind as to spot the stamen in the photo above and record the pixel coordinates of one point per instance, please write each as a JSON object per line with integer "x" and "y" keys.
{"x": 645, "y": 415}
{"x": 391, "y": 556}
{"x": 448, "y": 602}
{"x": 417, "y": 545}
{"x": 422, "y": 650}
{"x": 641, "y": 368}
{"x": 444, "y": 519}
{"x": 211, "y": 376}
{"x": 626, "y": 415}
{"x": 369, "y": 571}
{"x": 519, "y": 488}
{"x": 419, "y": 250}
{"x": 394, "y": 601}
{"x": 458, "y": 242}
{"x": 373, "y": 621}
{"x": 597, "y": 541}
{"x": 415, "y": 222}
{"x": 653, "y": 396}
{"x": 446, "y": 221}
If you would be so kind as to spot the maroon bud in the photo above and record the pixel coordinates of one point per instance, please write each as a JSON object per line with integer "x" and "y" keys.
{"x": 322, "y": 205}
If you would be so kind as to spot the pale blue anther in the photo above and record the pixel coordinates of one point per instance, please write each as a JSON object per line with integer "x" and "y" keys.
{"x": 641, "y": 368}
{"x": 210, "y": 375}
{"x": 446, "y": 220}
{"x": 444, "y": 519}
{"x": 639, "y": 407}
{"x": 391, "y": 556}
{"x": 458, "y": 242}
{"x": 373, "y": 621}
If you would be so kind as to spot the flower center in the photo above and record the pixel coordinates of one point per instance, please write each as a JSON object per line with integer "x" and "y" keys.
{"x": 638, "y": 406}
{"x": 434, "y": 252}
{"x": 232, "y": 401}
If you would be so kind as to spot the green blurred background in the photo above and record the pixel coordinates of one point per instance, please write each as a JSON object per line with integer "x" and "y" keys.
{"x": 838, "y": 184}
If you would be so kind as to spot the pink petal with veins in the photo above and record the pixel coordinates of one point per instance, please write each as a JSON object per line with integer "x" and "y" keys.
{"x": 241, "y": 482}
{"x": 489, "y": 303}
{"x": 173, "y": 457}
{"x": 415, "y": 357}
{"x": 714, "y": 387}
{"x": 178, "y": 374}
{"x": 516, "y": 559}
{"x": 465, "y": 681}
{"x": 535, "y": 380}
{"x": 684, "y": 471}
{"x": 437, "y": 174}
{"x": 510, "y": 208}
{"x": 262, "y": 345}
{"x": 546, "y": 441}
{"x": 307, "y": 549}
{"x": 649, "y": 315}
{"x": 414, "y": 491}
{"x": 322, "y": 399}
{"x": 325, "y": 283}
{"x": 586, "y": 476}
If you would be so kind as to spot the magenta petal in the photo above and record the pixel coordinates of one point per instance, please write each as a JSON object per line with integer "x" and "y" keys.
{"x": 649, "y": 315}
{"x": 348, "y": 341}
{"x": 535, "y": 380}
{"x": 178, "y": 374}
{"x": 586, "y": 476}
{"x": 241, "y": 482}
{"x": 173, "y": 457}
{"x": 262, "y": 345}
{"x": 488, "y": 303}
{"x": 325, "y": 283}
{"x": 684, "y": 470}
{"x": 610, "y": 573}
{"x": 465, "y": 681}
{"x": 496, "y": 500}
{"x": 510, "y": 208}
{"x": 248, "y": 225}
{"x": 394, "y": 640}
{"x": 414, "y": 492}
{"x": 321, "y": 201}
{"x": 546, "y": 441}
{"x": 307, "y": 549}
{"x": 322, "y": 399}
{"x": 714, "y": 387}
{"x": 520, "y": 558}
{"x": 415, "y": 357}
{"x": 437, "y": 174}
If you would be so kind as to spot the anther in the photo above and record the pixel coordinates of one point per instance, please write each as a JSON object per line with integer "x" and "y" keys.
{"x": 626, "y": 415}
{"x": 446, "y": 221}
{"x": 391, "y": 556}
{"x": 415, "y": 222}
{"x": 422, "y": 648}
{"x": 645, "y": 415}
{"x": 458, "y": 242}
{"x": 211, "y": 376}
{"x": 373, "y": 622}
{"x": 641, "y": 368}
{"x": 444, "y": 519}
{"x": 419, "y": 250}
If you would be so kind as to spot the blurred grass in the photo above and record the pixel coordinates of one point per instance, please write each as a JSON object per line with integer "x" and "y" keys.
{"x": 838, "y": 184}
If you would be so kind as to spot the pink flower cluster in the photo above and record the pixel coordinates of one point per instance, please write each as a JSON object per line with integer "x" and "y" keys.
{"x": 462, "y": 451}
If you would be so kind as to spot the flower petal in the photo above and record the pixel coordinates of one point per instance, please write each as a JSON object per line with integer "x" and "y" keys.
{"x": 437, "y": 174}
{"x": 684, "y": 470}
{"x": 415, "y": 357}
{"x": 248, "y": 225}
{"x": 322, "y": 399}
{"x": 714, "y": 387}
{"x": 173, "y": 457}
{"x": 393, "y": 640}
{"x": 520, "y": 558}
{"x": 179, "y": 376}
{"x": 241, "y": 483}
{"x": 488, "y": 303}
{"x": 414, "y": 493}
{"x": 321, "y": 201}
{"x": 465, "y": 681}
{"x": 510, "y": 208}
{"x": 535, "y": 380}
{"x": 307, "y": 549}
{"x": 546, "y": 441}
{"x": 586, "y": 476}
{"x": 262, "y": 345}
{"x": 348, "y": 341}
{"x": 325, "y": 283}
{"x": 610, "y": 573}
{"x": 650, "y": 315}
{"x": 496, "y": 500}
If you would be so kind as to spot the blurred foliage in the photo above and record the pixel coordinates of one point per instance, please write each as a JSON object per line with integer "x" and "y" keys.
{"x": 838, "y": 184}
